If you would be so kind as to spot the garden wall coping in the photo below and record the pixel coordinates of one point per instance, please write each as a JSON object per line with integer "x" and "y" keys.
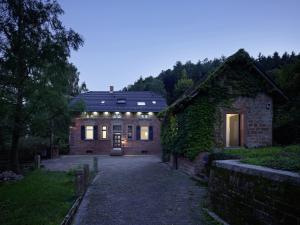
{"x": 269, "y": 173}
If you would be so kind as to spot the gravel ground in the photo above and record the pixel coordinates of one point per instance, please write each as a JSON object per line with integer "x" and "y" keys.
{"x": 136, "y": 190}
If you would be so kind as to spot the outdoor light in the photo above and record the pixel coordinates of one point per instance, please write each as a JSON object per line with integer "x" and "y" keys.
{"x": 139, "y": 113}
{"x": 95, "y": 113}
{"x": 128, "y": 113}
{"x": 106, "y": 113}
{"x": 150, "y": 113}
{"x": 117, "y": 113}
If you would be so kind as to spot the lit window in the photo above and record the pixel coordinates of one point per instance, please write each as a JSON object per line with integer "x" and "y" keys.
{"x": 95, "y": 113}
{"x": 139, "y": 113}
{"x": 150, "y": 113}
{"x": 89, "y": 132}
{"x": 141, "y": 103}
{"x": 121, "y": 101}
{"x": 106, "y": 113}
{"x": 104, "y": 132}
{"x": 153, "y": 102}
{"x": 144, "y": 133}
{"x": 130, "y": 132}
{"x": 102, "y": 102}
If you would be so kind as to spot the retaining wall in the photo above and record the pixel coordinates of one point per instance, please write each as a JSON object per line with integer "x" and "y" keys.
{"x": 244, "y": 194}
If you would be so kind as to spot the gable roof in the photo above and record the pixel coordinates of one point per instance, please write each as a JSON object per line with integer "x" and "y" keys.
{"x": 240, "y": 54}
{"x": 121, "y": 101}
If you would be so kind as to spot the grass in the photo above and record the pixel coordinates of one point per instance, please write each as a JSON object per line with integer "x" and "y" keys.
{"x": 41, "y": 198}
{"x": 284, "y": 158}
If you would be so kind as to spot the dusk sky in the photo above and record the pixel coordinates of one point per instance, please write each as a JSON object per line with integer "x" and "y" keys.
{"x": 128, "y": 39}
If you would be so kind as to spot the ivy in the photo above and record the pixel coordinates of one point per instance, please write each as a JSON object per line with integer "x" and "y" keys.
{"x": 189, "y": 130}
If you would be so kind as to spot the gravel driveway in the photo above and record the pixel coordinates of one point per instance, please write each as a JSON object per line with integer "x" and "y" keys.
{"x": 139, "y": 190}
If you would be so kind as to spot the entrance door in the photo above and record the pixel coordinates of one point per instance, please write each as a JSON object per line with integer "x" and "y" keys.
{"x": 232, "y": 130}
{"x": 116, "y": 140}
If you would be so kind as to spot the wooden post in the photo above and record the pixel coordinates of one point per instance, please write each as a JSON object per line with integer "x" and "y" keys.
{"x": 37, "y": 161}
{"x": 86, "y": 175}
{"x": 95, "y": 164}
{"x": 79, "y": 182}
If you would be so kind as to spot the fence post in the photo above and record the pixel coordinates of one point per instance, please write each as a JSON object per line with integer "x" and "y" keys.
{"x": 37, "y": 161}
{"x": 79, "y": 182}
{"x": 95, "y": 163}
{"x": 86, "y": 175}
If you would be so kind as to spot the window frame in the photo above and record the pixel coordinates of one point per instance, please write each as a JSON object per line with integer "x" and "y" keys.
{"x": 102, "y": 132}
{"x": 130, "y": 138}
{"x": 141, "y": 136}
{"x": 86, "y": 129}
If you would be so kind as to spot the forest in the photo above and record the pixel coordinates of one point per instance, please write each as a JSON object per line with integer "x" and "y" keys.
{"x": 284, "y": 69}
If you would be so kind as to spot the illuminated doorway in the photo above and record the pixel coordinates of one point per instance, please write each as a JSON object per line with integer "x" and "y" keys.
{"x": 233, "y": 128}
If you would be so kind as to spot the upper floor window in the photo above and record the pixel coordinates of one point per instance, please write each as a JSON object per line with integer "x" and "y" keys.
{"x": 141, "y": 103}
{"x": 153, "y": 102}
{"x": 89, "y": 132}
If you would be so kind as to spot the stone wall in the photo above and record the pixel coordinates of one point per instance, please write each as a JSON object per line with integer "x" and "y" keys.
{"x": 244, "y": 194}
{"x": 256, "y": 127}
{"x": 104, "y": 146}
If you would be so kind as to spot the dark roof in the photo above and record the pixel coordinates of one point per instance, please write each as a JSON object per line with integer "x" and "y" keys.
{"x": 104, "y": 101}
{"x": 240, "y": 54}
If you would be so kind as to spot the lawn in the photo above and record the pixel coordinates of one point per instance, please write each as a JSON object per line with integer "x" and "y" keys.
{"x": 285, "y": 158}
{"x": 41, "y": 198}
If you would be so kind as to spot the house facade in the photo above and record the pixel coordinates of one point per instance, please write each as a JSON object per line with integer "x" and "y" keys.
{"x": 117, "y": 122}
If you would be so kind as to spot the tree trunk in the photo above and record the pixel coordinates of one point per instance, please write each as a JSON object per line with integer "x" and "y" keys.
{"x": 14, "y": 152}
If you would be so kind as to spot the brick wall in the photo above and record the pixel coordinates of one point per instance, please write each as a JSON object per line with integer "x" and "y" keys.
{"x": 78, "y": 146}
{"x": 257, "y": 115}
{"x": 244, "y": 194}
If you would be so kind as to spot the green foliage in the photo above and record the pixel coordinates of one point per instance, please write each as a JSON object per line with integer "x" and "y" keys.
{"x": 285, "y": 158}
{"x": 196, "y": 118}
{"x": 36, "y": 79}
{"x": 183, "y": 84}
{"x": 40, "y": 198}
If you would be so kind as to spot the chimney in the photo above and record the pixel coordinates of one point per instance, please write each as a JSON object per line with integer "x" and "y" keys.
{"x": 111, "y": 89}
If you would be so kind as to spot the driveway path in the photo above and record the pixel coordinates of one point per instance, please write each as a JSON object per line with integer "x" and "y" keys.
{"x": 140, "y": 190}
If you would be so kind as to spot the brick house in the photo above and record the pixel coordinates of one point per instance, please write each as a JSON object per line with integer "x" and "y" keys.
{"x": 117, "y": 122}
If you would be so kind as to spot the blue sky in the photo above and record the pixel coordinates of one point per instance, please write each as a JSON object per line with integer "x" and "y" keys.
{"x": 126, "y": 39}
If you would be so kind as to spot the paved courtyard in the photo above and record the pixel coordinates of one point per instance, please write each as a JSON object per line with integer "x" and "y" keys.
{"x": 136, "y": 190}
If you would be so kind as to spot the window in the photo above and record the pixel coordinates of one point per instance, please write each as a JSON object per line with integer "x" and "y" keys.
{"x": 144, "y": 133}
{"x": 129, "y": 132}
{"x": 117, "y": 128}
{"x": 141, "y": 103}
{"x": 121, "y": 101}
{"x": 89, "y": 132}
{"x": 102, "y": 102}
{"x": 104, "y": 132}
{"x": 153, "y": 102}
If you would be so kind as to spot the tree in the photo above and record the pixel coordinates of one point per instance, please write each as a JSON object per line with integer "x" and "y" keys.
{"x": 183, "y": 84}
{"x": 33, "y": 44}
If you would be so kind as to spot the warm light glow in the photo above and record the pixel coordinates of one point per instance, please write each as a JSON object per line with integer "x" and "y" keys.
{"x": 145, "y": 133}
{"x": 106, "y": 113}
{"x": 95, "y": 113}
{"x": 89, "y": 132}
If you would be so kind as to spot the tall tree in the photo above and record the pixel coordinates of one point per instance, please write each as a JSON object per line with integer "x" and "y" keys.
{"x": 31, "y": 38}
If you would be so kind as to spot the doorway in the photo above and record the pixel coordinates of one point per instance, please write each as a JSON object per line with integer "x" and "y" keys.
{"x": 117, "y": 140}
{"x": 233, "y": 130}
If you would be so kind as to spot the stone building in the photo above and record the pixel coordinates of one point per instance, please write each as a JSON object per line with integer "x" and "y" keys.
{"x": 230, "y": 108}
{"x": 117, "y": 122}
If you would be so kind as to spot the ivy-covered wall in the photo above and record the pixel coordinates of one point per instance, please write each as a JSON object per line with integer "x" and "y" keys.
{"x": 188, "y": 126}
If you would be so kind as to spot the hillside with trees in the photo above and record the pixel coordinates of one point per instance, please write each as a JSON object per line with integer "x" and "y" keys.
{"x": 284, "y": 69}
